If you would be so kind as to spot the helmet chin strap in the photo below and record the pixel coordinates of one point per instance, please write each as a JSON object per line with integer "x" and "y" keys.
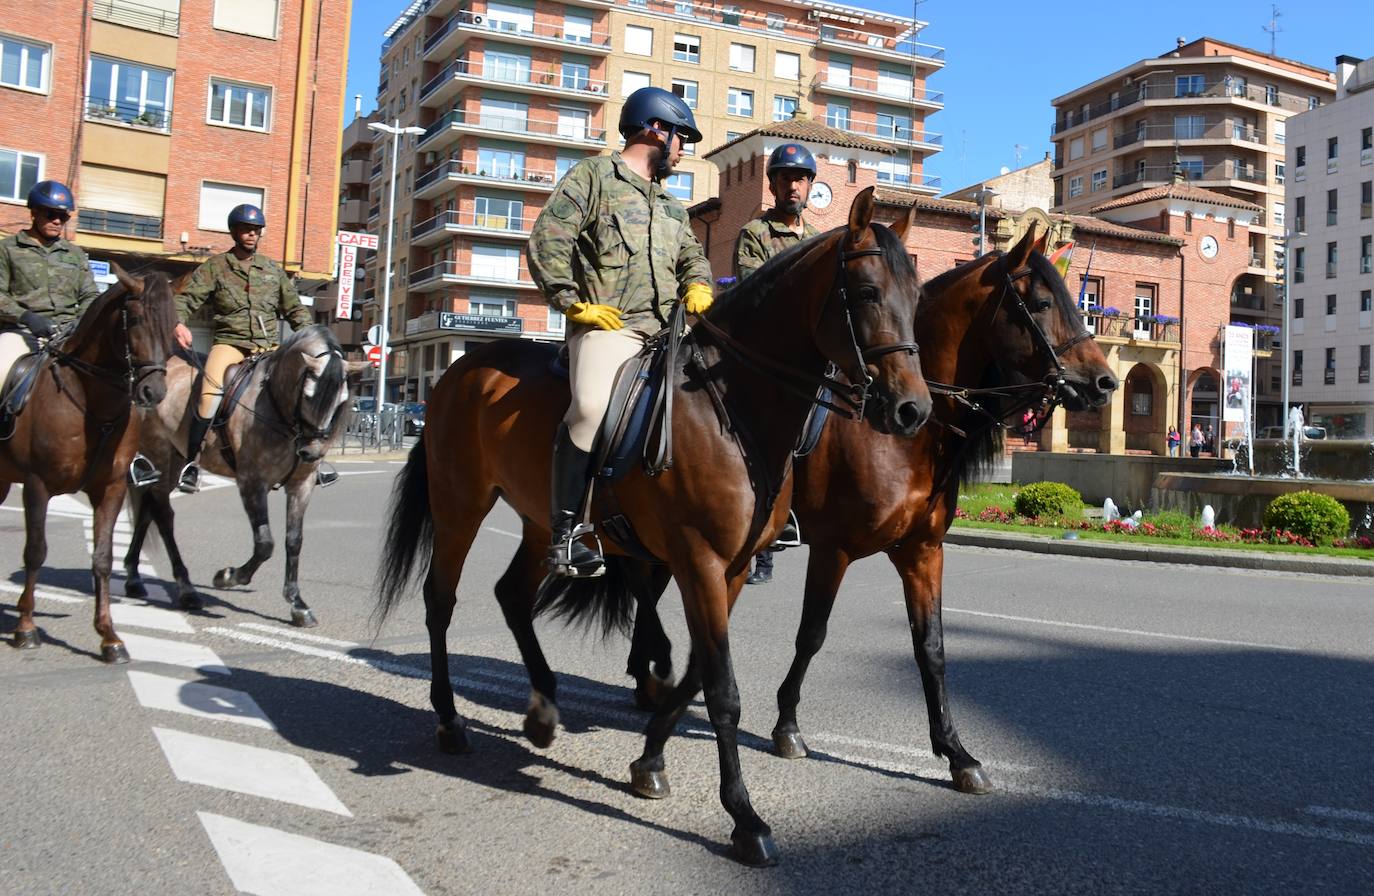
{"x": 662, "y": 169}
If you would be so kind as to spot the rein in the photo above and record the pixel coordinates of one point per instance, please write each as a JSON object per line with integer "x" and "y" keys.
{"x": 136, "y": 370}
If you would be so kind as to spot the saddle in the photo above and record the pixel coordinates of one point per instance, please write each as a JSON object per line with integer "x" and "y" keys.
{"x": 18, "y": 386}
{"x": 236, "y": 380}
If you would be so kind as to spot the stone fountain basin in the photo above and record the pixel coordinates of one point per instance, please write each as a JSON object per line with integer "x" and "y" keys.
{"x": 1240, "y": 500}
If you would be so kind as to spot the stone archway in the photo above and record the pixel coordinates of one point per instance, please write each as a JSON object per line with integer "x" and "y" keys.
{"x": 1144, "y": 421}
{"x": 1204, "y": 406}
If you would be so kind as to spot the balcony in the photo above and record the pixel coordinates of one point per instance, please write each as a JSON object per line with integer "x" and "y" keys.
{"x": 1364, "y": 375}
{"x": 1211, "y": 131}
{"x": 924, "y": 141}
{"x": 440, "y": 90}
{"x": 351, "y": 213}
{"x": 863, "y": 43}
{"x": 1247, "y": 301}
{"x": 136, "y": 15}
{"x": 1166, "y": 90}
{"x": 136, "y": 115}
{"x": 354, "y": 173}
{"x": 1122, "y": 330}
{"x": 375, "y": 172}
{"x": 1329, "y": 376}
{"x": 470, "y": 222}
{"x": 842, "y": 83}
{"x": 453, "y": 273}
{"x": 439, "y": 178}
{"x": 917, "y": 183}
{"x": 1217, "y": 175}
{"x": 94, "y": 220}
{"x": 567, "y": 132}
{"x": 451, "y": 35}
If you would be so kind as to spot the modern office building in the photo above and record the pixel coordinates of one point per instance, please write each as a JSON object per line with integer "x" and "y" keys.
{"x": 164, "y": 114}
{"x": 1331, "y": 275}
{"x": 1220, "y": 112}
{"x": 512, "y": 94}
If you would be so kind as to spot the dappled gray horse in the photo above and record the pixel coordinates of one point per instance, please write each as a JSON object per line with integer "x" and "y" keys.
{"x": 279, "y": 426}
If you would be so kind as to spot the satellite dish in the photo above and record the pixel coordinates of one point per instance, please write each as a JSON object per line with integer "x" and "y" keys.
{"x": 1004, "y": 170}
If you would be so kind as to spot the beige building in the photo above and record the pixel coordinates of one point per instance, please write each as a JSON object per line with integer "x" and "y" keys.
{"x": 1219, "y": 113}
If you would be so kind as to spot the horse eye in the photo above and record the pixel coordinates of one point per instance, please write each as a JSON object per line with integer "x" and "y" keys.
{"x": 869, "y": 294}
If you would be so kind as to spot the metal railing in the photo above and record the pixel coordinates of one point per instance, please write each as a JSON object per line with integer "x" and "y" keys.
{"x": 516, "y": 124}
{"x": 472, "y": 271}
{"x": 903, "y": 90}
{"x": 1209, "y": 130}
{"x": 154, "y": 118}
{"x": 1168, "y": 90}
{"x": 469, "y": 169}
{"x": 553, "y": 78}
{"x": 542, "y": 30}
{"x": 474, "y": 220}
{"x": 867, "y": 40}
{"x": 362, "y": 430}
{"x": 136, "y": 15}
{"x": 1329, "y": 377}
{"x": 890, "y": 133}
{"x": 119, "y": 223}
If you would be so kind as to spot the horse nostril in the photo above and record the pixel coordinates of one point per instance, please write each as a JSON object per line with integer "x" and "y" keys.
{"x": 910, "y": 415}
{"x": 1106, "y": 383}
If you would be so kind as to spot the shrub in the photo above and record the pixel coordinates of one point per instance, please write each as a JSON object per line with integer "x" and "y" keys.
{"x": 1308, "y": 514}
{"x": 1048, "y": 499}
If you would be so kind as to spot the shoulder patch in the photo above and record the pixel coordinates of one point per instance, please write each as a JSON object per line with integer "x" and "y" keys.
{"x": 564, "y": 208}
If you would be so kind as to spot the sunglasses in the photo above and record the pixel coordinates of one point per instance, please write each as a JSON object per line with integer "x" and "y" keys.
{"x": 55, "y": 214}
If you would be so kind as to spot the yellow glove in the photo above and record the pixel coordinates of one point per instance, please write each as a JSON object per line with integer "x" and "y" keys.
{"x": 698, "y": 297}
{"x": 603, "y": 317}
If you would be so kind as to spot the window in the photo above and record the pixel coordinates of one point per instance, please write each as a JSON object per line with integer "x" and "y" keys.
{"x": 1366, "y": 247}
{"x": 577, "y": 76}
{"x": 1188, "y": 85}
{"x": 1280, "y": 172}
{"x": 1142, "y": 404}
{"x": 574, "y": 123}
{"x": 1280, "y": 214}
{"x": 503, "y": 115}
{"x": 503, "y": 163}
{"x": 1191, "y": 167}
{"x": 1364, "y": 363}
{"x": 1300, "y": 213}
{"x": 1330, "y": 305}
{"x": 787, "y": 65}
{"x": 19, "y": 171}
{"x": 1076, "y": 186}
{"x": 893, "y": 170}
{"x": 1299, "y": 308}
{"x": 837, "y": 115}
{"x": 839, "y": 72}
{"x": 489, "y": 306}
{"x": 556, "y": 321}
{"x": 784, "y": 107}
{"x": 1187, "y": 222}
{"x": 1280, "y": 130}
{"x": 506, "y": 66}
{"x": 632, "y": 81}
{"x": 774, "y": 21}
{"x": 1099, "y": 181}
{"x": 1099, "y": 139}
{"x": 216, "y": 201}
{"x": 1189, "y": 127}
{"x": 893, "y": 125}
{"x": 894, "y": 80}
{"x": 1332, "y": 148}
{"x": 257, "y": 18}
{"x": 23, "y": 64}
{"x": 742, "y": 57}
{"x": 739, "y": 102}
{"x": 639, "y": 41}
{"x": 510, "y": 17}
{"x": 1366, "y": 200}
{"x": 239, "y": 105}
{"x": 852, "y": 172}
{"x": 686, "y": 48}
{"x": 562, "y": 165}
{"x": 577, "y": 28}
{"x": 679, "y": 185}
{"x": 496, "y": 263}
{"x": 687, "y": 90}
{"x": 129, "y": 92}
{"x": 498, "y": 213}
{"x": 1144, "y": 306}
{"x": 1331, "y": 259}
{"x": 1271, "y": 94}
{"x": 1075, "y": 149}
{"x": 1329, "y": 370}
{"x": 1366, "y": 300}
{"x": 732, "y": 135}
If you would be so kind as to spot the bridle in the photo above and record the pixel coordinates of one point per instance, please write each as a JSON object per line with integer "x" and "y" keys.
{"x": 136, "y": 370}
{"x": 301, "y": 431}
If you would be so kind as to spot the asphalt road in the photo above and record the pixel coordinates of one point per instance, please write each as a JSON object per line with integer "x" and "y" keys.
{"x": 1148, "y": 728}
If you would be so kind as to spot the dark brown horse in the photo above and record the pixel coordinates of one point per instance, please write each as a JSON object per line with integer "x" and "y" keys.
{"x": 285, "y": 418}
{"x": 847, "y": 297}
{"x": 1005, "y": 334}
{"x": 78, "y": 432}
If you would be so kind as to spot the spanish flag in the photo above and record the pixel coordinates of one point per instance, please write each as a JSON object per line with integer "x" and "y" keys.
{"x": 1061, "y": 257}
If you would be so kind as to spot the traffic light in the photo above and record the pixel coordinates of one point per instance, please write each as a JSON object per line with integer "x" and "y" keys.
{"x": 356, "y": 314}
{"x": 977, "y": 240}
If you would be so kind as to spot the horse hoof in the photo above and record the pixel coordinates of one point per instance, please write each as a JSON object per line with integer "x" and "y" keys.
{"x": 115, "y": 654}
{"x": 303, "y": 618}
{"x": 191, "y": 601}
{"x": 29, "y": 640}
{"x": 539, "y": 732}
{"x": 971, "y": 779}
{"x": 225, "y": 578}
{"x": 789, "y": 744}
{"x": 134, "y": 589}
{"x": 754, "y": 850}
{"x": 652, "y": 784}
{"x": 453, "y": 738}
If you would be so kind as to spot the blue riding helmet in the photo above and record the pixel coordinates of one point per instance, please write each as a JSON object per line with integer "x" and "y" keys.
{"x": 649, "y": 104}
{"x": 247, "y": 214}
{"x": 51, "y": 194}
{"x": 794, "y": 157}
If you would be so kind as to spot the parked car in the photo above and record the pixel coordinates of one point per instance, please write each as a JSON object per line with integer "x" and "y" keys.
{"x": 369, "y": 406}
{"x": 1308, "y": 432}
{"x": 413, "y": 413}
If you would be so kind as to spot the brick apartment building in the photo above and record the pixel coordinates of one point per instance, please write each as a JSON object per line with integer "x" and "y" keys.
{"x": 513, "y": 93}
{"x": 1164, "y": 261}
{"x": 164, "y": 114}
{"x": 1221, "y": 110}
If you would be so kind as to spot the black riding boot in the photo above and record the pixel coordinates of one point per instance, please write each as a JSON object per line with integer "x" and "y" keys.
{"x": 567, "y": 556}
{"x": 189, "y": 481}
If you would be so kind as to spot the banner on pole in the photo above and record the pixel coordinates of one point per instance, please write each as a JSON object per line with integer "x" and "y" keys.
{"x": 1237, "y": 360}
{"x": 348, "y": 266}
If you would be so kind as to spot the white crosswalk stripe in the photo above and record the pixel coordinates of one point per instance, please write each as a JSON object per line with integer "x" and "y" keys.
{"x": 195, "y": 698}
{"x": 147, "y": 649}
{"x": 142, "y": 615}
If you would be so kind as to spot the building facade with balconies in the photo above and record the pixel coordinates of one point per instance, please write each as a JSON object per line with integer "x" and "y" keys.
{"x": 512, "y": 93}
{"x": 164, "y": 114}
{"x": 1331, "y": 276}
{"x": 1213, "y": 110}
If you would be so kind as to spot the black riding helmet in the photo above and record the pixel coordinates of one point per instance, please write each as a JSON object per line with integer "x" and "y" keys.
{"x": 792, "y": 157}
{"x": 648, "y": 104}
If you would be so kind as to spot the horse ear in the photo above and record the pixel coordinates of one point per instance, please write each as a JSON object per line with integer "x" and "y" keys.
{"x": 904, "y": 223}
{"x": 1042, "y": 243}
{"x": 861, "y": 214}
{"x": 353, "y": 370}
{"x": 1020, "y": 253}
{"x": 133, "y": 284}
{"x": 316, "y": 364}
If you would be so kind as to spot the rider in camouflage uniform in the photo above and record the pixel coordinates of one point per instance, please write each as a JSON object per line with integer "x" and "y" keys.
{"x": 247, "y": 292}
{"x": 791, "y": 171}
{"x": 613, "y": 250}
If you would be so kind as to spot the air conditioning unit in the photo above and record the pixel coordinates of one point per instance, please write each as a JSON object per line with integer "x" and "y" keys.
{"x": 478, "y": 19}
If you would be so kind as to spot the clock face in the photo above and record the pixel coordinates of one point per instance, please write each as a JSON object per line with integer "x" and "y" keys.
{"x": 1208, "y": 247}
{"x": 820, "y": 195}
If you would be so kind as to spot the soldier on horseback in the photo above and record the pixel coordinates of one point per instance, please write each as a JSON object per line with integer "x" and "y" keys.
{"x": 613, "y": 250}
{"x": 247, "y": 291}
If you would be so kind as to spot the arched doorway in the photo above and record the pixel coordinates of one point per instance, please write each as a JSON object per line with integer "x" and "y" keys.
{"x": 1144, "y": 412}
{"x": 1204, "y": 408}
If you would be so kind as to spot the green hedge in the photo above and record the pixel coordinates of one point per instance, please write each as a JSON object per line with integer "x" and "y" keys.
{"x": 1048, "y": 499}
{"x": 1309, "y": 514}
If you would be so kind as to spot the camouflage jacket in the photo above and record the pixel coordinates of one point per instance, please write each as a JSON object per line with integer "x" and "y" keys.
{"x": 54, "y": 281}
{"x": 246, "y": 298}
{"x": 764, "y": 237}
{"x": 609, "y": 237}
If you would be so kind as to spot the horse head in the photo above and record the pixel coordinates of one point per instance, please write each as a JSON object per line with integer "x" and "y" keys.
{"x": 310, "y": 377}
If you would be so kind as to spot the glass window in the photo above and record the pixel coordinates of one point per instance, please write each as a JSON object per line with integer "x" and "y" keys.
{"x": 1189, "y": 127}
{"x": 1188, "y": 85}
{"x": 1099, "y": 139}
{"x": 239, "y": 105}
{"x": 509, "y": 17}
{"x": 894, "y": 171}
{"x": 498, "y": 213}
{"x": 577, "y": 28}
{"x": 1191, "y": 166}
{"x": 503, "y": 115}
{"x": 894, "y": 80}
{"x": 784, "y": 107}
{"x": 686, "y": 48}
{"x": 216, "y": 201}
{"x": 1299, "y": 308}
{"x": 563, "y": 164}
{"x": 740, "y": 102}
{"x": 1099, "y": 181}
{"x": 1333, "y": 147}
{"x": 490, "y": 306}
{"x": 574, "y": 123}
{"x": 129, "y": 92}
{"x": 632, "y": 81}
{"x": 639, "y": 41}
{"x": 679, "y": 185}
{"x": 1280, "y": 133}
{"x": 506, "y": 66}
{"x": 787, "y": 65}
{"x": 19, "y": 171}
{"x": 1366, "y": 299}
{"x": 839, "y": 72}
{"x": 1076, "y": 186}
{"x": 894, "y": 125}
{"x": 577, "y": 76}
{"x": 1075, "y": 149}
{"x": 254, "y": 17}
{"x": 496, "y": 262}
{"x": 774, "y": 21}
{"x": 742, "y": 57}
{"x": 1330, "y": 305}
{"x": 23, "y": 64}
{"x": 837, "y": 115}
{"x": 557, "y": 322}
{"x": 503, "y": 163}
{"x": 1144, "y": 300}
{"x": 687, "y": 90}
{"x": 1280, "y": 173}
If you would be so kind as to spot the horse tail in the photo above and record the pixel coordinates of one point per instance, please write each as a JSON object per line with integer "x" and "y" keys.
{"x": 410, "y": 532}
{"x": 606, "y": 601}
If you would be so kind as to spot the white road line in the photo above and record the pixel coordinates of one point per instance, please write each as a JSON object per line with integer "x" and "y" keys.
{"x": 147, "y": 649}
{"x": 914, "y": 752}
{"x": 502, "y": 532}
{"x": 298, "y": 636}
{"x": 194, "y": 698}
{"x": 48, "y": 592}
{"x": 225, "y": 765}
{"x": 1123, "y": 631}
{"x": 1340, "y": 814}
{"x": 267, "y": 862}
{"x": 144, "y": 616}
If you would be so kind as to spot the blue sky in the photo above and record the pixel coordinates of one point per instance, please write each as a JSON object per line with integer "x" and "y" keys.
{"x": 1005, "y": 62}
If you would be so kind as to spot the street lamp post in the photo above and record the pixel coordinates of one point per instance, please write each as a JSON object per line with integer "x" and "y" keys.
{"x": 395, "y": 130}
{"x": 983, "y": 194}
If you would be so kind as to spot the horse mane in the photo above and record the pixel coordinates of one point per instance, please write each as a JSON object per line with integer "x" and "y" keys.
{"x": 330, "y": 380}
{"x": 161, "y": 315}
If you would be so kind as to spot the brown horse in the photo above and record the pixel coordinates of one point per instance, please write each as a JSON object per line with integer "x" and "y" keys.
{"x": 846, "y": 297}
{"x": 998, "y": 335}
{"x": 79, "y": 433}
{"x": 283, "y": 421}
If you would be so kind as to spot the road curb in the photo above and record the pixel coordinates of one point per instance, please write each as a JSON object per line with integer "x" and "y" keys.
{"x": 1326, "y": 566}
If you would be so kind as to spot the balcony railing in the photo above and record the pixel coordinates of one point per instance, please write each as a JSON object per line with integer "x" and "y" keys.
{"x": 1364, "y": 374}
{"x": 1124, "y": 327}
{"x": 1247, "y": 301}
{"x": 153, "y": 118}
{"x": 443, "y": 271}
{"x": 541, "y": 30}
{"x": 516, "y": 124}
{"x": 1209, "y": 130}
{"x": 554, "y": 79}
{"x": 514, "y": 224}
{"x": 456, "y": 167}
{"x": 860, "y": 40}
{"x": 1331, "y": 270}
{"x": 1256, "y": 260}
{"x": 1297, "y": 376}
{"x": 1329, "y": 377}
{"x": 136, "y": 15}
{"x": 1221, "y": 91}
{"x": 1366, "y": 264}
{"x": 887, "y": 133}
{"x": 1225, "y": 171}
{"x": 119, "y": 223}
{"x": 902, "y": 90}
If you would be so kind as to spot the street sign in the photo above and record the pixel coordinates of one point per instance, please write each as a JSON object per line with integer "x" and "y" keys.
{"x": 357, "y": 238}
{"x": 374, "y": 353}
{"x": 99, "y": 268}
{"x": 348, "y": 264}
{"x": 374, "y": 334}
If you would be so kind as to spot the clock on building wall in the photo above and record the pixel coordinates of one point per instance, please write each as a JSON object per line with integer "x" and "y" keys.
{"x": 820, "y": 195}
{"x": 1207, "y": 247}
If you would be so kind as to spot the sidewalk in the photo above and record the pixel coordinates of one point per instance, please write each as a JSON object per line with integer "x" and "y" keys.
{"x": 1154, "y": 553}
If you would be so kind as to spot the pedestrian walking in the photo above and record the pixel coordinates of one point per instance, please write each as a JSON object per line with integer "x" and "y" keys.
{"x": 1195, "y": 441}
{"x": 1174, "y": 439}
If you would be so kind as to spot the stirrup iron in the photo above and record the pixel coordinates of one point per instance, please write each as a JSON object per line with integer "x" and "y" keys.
{"x": 590, "y": 566}
{"x": 325, "y": 474}
{"x": 142, "y": 473}
{"x": 189, "y": 480}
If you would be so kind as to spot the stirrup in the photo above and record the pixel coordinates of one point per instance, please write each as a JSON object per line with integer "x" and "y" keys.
{"x": 189, "y": 480}
{"x": 790, "y": 536}
{"x": 576, "y": 560}
{"x": 142, "y": 472}
{"x": 326, "y": 475}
